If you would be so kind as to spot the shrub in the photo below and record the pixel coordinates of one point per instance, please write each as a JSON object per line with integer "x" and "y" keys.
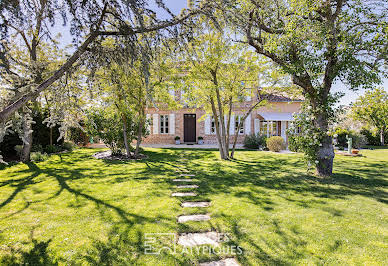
{"x": 177, "y": 138}
{"x": 68, "y": 146}
{"x": 358, "y": 139}
{"x": 38, "y": 156}
{"x": 341, "y": 134}
{"x": 276, "y": 143}
{"x": 37, "y": 148}
{"x": 200, "y": 138}
{"x": 372, "y": 138}
{"x": 253, "y": 141}
{"x": 53, "y": 149}
{"x": 294, "y": 143}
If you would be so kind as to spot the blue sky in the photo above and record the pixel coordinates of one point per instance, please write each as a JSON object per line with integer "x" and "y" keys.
{"x": 176, "y": 6}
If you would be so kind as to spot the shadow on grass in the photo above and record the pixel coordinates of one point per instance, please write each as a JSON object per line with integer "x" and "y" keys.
{"x": 38, "y": 255}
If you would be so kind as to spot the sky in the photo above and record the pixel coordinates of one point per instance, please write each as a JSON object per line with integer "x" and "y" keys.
{"x": 176, "y": 6}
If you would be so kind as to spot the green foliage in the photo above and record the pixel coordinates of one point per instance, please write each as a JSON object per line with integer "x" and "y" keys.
{"x": 372, "y": 109}
{"x": 38, "y": 156}
{"x": 177, "y": 138}
{"x": 294, "y": 143}
{"x": 107, "y": 125}
{"x": 254, "y": 141}
{"x": 53, "y": 149}
{"x": 275, "y": 143}
{"x": 69, "y": 146}
{"x": 358, "y": 139}
{"x": 77, "y": 136}
{"x": 372, "y": 137}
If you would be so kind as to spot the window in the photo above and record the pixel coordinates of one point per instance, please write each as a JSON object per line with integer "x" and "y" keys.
{"x": 270, "y": 128}
{"x": 163, "y": 124}
{"x": 213, "y": 126}
{"x": 274, "y": 128}
{"x": 236, "y": 124}
{"x": 264, "y": 128}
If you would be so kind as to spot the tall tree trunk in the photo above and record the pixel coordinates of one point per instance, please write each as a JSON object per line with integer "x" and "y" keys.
{"x": 382, "y": 137}
{"x": 218, "y": 135}
{"x": 325, "y": 153}
{"x": 126, "y": 136}
{"x": 225, "y": 145}
{"x": 139, "y": 137}
{"x": 27, "y": 135}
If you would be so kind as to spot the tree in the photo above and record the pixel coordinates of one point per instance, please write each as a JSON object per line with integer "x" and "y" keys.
{"x": 372, "y": 109}
{"x": 98, "y": 18}
{"x": 221, "y": 76}
{"x": 317, "y": 43}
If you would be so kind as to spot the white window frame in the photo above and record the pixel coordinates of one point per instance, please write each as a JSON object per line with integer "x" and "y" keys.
{"x": 237, "y": 122}
{"x": 164, "y": 124}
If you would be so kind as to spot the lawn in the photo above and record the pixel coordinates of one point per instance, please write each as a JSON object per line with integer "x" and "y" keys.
{"x": 73, "y": 209}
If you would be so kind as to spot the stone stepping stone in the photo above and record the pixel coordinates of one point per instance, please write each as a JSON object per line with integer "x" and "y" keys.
{"x": 195, "y": 239}
{"x": 187, "y": 186}
{"x": 225, "y": 262}
{"x": 186, "y": 175}
{"x": 184, "y": 180}
{"x": 196, "y": 218}
{"x": 184, "y": 194}
{"x": 194, "y": 204}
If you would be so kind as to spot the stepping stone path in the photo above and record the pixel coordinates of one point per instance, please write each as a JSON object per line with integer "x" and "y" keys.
{"x": 184, "y": 194}
{"x": 195, "y": 204}
{"x": 185, "y": 180}
{"x": 196, "y": 217}
{"x": 187, "y": 186}
{"x": 195, "y": 239}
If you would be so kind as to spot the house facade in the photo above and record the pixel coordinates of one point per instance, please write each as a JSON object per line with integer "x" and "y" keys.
{"x": 191, "y": 123}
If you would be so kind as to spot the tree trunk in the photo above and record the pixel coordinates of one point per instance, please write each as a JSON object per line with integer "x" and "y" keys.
{"x": 325, "y": 153}
{"x": 27, "y": 134}
{"x": 125, "y": 136}
{"x": 218, "y": 135}
{"x": 382, "y": 137}
{"x": 139, "y": 136}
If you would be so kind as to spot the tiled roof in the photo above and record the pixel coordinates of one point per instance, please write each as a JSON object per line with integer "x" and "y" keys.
{"x": 277, "y": 97}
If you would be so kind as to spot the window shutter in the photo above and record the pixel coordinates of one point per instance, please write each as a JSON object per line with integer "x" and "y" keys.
{"x": 248, "y": 125}
{"x": 232, "y": 124}
{"x": 148, "y": 125}
{"x": 207, "y": 125}
{"x": 156, "y": 124}
{"x": 257, "y": 126}
{"x": 172, "y": 124}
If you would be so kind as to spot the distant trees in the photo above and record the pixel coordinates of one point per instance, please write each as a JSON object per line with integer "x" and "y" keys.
{"x": 372, "y": 109}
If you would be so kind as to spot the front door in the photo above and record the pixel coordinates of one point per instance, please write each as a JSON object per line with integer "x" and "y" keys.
{"x": 189, "y": 124}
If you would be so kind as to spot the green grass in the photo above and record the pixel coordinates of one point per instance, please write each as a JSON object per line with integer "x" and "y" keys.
{"x": 73, "y": 209}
